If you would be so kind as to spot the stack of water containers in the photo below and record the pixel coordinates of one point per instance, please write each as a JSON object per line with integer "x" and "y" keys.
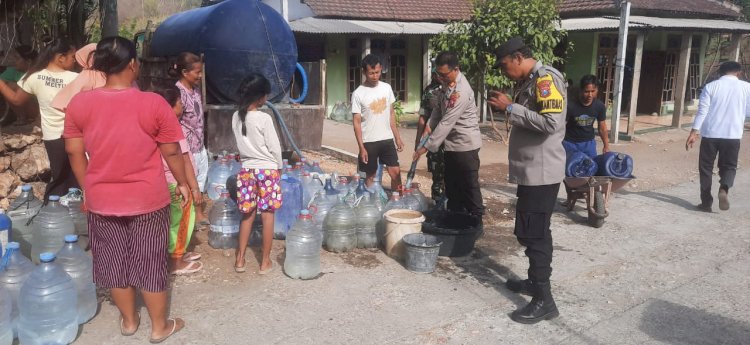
{"x": 21, "y": 213}
{"x": 286, "y": 216}
{"x": 50, "y": 227}
{"x": 224, "y": 218}
{"x": 303, "y": 244}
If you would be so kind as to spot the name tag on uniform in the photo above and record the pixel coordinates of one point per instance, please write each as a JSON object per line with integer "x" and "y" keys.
{"x": 548, "y": 97}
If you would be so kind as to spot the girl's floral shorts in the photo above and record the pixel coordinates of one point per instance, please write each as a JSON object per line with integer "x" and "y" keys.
{"x": 258, "y": 188}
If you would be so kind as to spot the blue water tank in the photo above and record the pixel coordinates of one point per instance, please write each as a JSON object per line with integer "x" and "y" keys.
{"x": 237, "y": 37}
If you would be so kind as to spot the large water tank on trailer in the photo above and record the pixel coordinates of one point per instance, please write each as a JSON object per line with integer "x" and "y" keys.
{"x": 237, "y": 37}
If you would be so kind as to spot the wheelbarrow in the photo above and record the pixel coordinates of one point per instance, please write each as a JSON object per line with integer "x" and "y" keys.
{"x": 596, "y": 190}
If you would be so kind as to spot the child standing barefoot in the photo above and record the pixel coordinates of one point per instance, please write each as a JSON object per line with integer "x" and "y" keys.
{"x": 182, "y": 218}
{"x": 258, "y": 187}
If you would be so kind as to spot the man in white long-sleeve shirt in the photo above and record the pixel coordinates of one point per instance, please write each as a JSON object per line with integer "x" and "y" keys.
{"x": 724, "y": 105}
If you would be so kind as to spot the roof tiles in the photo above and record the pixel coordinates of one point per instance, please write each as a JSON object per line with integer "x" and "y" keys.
{"x": 393, "y": 10}
{"x": 672, "y": 8}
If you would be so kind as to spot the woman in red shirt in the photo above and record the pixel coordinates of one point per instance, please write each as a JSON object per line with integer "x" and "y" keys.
{"x": 125, "y": 132}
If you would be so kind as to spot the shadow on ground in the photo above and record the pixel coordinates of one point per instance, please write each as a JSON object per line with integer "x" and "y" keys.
{"x": 677, "y": 324}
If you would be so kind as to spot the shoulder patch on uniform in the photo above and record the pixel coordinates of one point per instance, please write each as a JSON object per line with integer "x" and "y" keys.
{"x": 548, "y": 97}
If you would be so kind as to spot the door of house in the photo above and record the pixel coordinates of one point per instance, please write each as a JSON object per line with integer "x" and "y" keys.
{"x": 652, "y": 80}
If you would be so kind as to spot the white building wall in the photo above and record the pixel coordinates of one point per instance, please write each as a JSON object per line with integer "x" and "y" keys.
{"x": 297, "y": 10}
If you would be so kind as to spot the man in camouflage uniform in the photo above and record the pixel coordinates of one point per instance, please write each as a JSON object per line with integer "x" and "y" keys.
{"x": 536, "y": 159}
{"x": 435, "y": 163}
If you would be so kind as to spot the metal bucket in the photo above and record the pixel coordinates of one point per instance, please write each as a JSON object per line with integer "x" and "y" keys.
{"x": 421, "y": 252}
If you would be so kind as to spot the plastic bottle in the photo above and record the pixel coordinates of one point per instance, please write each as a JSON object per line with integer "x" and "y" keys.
{"x": 316, "y": 168}
{"x": 368, "y": 215}
{"x": 17, "y": 269}
{"x": 6, "y": 324}
{"x": 420, "y": 196}
{"x": 300, "y": 168}
{"x": 234, "y": 160}
{"x": 340, "y": 229}
{"x": 80, "y": 268}
{"x": 47, "y": 305}
{"x": 410, "y": 201}
{"x": 395, "y": 203}
{"x": 224, "y": 218}
{"x": 5, "y": 228}
{"x": 50, "y": 227}
{"x": 342, "y": 185}
{"x": 218, "y": 180}
{"x": 303, "y": 249}
{"x": 74, "y": 199}
{"x": 323, "y": 203}
{"x": 21, "y": 213}
{"x": 310, "y": 187}
{"x": 286, "y": 216}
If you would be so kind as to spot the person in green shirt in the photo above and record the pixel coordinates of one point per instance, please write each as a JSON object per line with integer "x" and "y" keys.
{"x": 23, "y": 56}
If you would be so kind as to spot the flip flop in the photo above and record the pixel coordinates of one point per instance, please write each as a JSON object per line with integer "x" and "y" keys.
{"x": 189, "y": 269}
{"x": 268, "y": 270}
{"x": 122, "y": 327}
{"x": 174, "y": 330}
{"x": 191, "y": 256}
{"x": 242, "y": 269}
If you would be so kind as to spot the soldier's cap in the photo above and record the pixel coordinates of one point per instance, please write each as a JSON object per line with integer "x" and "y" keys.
{"x": 509, "y": 47}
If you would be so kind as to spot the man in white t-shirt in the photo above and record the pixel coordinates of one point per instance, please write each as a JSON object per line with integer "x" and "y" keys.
{"x": 375, "y": 123}
{"x": 724, "y": 105}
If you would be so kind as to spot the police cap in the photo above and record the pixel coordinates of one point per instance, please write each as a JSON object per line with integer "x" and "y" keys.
{"x": 509, "y": 47}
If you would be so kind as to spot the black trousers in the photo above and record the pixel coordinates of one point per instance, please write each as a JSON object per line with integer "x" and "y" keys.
{"x": 728, "y": 151}
{"x": 462, "y": 182}
{"x": 62, "y": 174}
{"x": 533, "y": 213}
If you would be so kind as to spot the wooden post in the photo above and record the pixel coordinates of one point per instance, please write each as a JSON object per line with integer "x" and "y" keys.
{"x": 426, "y": 74}
{"x": 636, "y": 83}
{"x": 614, "y": 132}
{"x": 735, "y": 47}
{"x": 110, "y": 26}
{"x": 683, "y": 67}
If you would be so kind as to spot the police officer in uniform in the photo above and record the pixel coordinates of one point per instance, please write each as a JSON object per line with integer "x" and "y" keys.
{"x": 435, "y": 163}
{"x": 455, "y": 124}
{"x": 537, "y": 164}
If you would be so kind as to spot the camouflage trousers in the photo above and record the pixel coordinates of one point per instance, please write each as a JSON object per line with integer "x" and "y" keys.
{"x": 436, "y": 165}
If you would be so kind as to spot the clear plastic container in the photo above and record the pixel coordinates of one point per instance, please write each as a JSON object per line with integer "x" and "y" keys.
{"x": 74, "y": 201}
{"x": 217, "y": 178}
{"x": 395, "y": 203}
{"x": 47, "y": 305}
{"x": 368, "y": 216}
{"x": 17, "y": 269}
{"x": 303, "y": 249}
{"x": 21, "y": 213}
{"x": 224, "y": 218}
{"x": 411, "y": 202}
{"x": 286, "y": 216}
{"x": 50, "y": 227}
{"x": 6, "y": 324}
{"x": 5, "y": 225}
{"x": 340, "y": 229}
{"x": 320, "y": 207}
{"x": 80, "y": 268}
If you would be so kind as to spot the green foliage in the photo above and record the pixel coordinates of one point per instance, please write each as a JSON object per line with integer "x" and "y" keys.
{"x": 398, "y": 108}
{"x": 58, "y": 18}
{"x": 492, "y": 23}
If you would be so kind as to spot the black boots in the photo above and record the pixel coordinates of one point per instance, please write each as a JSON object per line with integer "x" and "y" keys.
{"x": 520, "y": 286}
{"x": 541, "y": 307}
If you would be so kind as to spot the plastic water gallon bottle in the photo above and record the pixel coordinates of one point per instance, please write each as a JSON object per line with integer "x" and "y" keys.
{"x": 47, "y": 305}
{"x": 17, "y": 269}
{"x": 80, "y": 268}
{"x": 395, "y": 203}
{"x": 21, "y": 212}
{"x": 74, "y": 200}
{"x": 320, "y": 207}
{"x": 368, "y": 215}
{"x": 218, "y": 180}
{"x": 286, "y": 216}
{"x": 420, "y": 196}
{"x": 411, "y": 202}
{"x": 236, "y": 164}
{"x": 224, "y": 218}
{"x": 340, "y": 229}
{"x": 5, "y": 228}
{"x": 303, "y": 249}
{"x": 6, "y": 325}
{"x": 50, "y": 227}
{"x": 316, "y": 168}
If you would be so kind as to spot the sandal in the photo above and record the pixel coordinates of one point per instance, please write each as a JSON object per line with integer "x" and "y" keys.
{"x": 191, "y": 256}
{"x": 268, "y": 270}
{"x": 242, "y": 269}
{"x": 174, "y": 330}
{"x": 193, "y": 267}
{"x": 122, "y": 327}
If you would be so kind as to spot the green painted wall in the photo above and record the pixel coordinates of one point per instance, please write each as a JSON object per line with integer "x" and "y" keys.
{"x": 336, "y": 69}
{"x": 581, "y": 60}
{"x": 413, "y": 73}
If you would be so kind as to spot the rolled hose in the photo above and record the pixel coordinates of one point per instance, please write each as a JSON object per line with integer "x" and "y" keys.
{"x": 284, "y": 128}
{"x": 303, "y": 95}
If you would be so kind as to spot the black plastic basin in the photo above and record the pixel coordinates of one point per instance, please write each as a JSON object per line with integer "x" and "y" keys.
{"x": 458, "y": 231}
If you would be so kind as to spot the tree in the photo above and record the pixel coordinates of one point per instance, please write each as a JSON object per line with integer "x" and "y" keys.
{"x": 48, "y": 19}
{"x": 108, "y": 12}
{"x": 494, "y": 22}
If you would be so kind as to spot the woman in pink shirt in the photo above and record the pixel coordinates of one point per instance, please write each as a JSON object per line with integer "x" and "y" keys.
{"x": 125, "y": 132}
